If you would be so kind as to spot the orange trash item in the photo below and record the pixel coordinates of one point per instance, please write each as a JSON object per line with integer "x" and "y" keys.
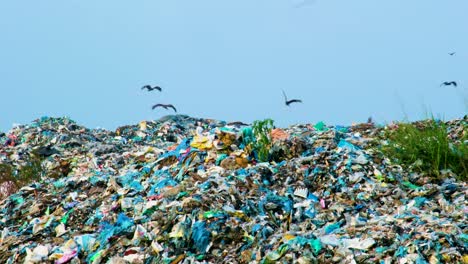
{"x": 278, "y": 134}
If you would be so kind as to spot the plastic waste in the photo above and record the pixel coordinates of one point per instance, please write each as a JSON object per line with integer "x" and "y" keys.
{"x": 191, "y": 190}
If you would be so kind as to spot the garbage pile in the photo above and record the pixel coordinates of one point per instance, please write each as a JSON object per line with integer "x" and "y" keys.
{"x": 189, "y": 190}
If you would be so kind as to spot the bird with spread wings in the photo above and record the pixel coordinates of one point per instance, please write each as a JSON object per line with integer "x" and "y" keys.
{"x": 288, "y": 102}
{"x": 449, "y": 83}
{"x": 149, "y": 88}
{"x": 165, "y": 106}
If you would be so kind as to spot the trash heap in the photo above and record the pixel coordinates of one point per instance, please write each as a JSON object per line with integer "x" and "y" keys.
{"x": 189, "y": 190}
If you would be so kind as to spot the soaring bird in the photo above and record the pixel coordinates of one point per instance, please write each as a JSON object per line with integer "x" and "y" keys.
{"x": 165, "y": 106}
{"x": 149, "y": 88}
{"x": 452, "y": 53}
{"x": 288, "y": 102}
{"x": 449, "y": 83}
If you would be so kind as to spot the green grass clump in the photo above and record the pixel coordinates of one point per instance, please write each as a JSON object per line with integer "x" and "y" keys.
{"x": 32, "y": 171}
{"x": 12, "y": 179}
{"x": 426, "y": 147}
{"x": 7, "y": 181}
{"x": 262, "y": 144}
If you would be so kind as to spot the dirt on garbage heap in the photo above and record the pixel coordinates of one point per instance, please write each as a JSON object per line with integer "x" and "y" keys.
{"x": 189, "y": 190}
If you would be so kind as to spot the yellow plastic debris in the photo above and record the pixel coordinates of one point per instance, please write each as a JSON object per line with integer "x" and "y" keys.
{"x": 202, "y": 143}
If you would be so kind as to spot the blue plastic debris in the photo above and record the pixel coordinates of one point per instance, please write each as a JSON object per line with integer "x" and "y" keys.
{"x": 201, "y": 236}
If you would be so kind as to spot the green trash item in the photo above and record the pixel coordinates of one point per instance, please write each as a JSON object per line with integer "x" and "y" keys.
{"x": 65, "y": 217}
{"x": 464, "y": 237}
{"x": 320, "y": 126}
{"x": 410, "y": 185}
{"x": 247, "y": 135}
{"x": 274, "y": 256}
{"x": 96, "y": 256}
{"x": 59, "y": 184}
{"x": 182, "y": 194}
{"x": 24, "y": 226}
{"x": 213, "y": 214}
{"x": 17, "y": 199}
{"x": 316, "y": 246}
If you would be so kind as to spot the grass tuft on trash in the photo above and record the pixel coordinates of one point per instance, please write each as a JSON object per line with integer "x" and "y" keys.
{"x": 7, "y": 181}
{"x": 426, "y": 147}
{"x": 12, "y": 179}
{"x": 261, "y": 130}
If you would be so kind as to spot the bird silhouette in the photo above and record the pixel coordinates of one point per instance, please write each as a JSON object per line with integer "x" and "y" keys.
{"x": 149, "y": 88}
{"x": 452, "y": 53}
{"x": 449, "y": 83}
{"x": 165, "y": 106}
{"x": 288, "y": 102}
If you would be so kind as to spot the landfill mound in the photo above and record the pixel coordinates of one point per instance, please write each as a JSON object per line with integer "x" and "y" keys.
{"x": 188, "y": 190}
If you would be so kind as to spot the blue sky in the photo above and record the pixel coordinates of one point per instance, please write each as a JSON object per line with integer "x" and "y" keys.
{"x": 229, "y": 60}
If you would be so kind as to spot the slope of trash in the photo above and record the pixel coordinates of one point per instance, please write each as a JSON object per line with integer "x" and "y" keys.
{"x": 187, "y": 190}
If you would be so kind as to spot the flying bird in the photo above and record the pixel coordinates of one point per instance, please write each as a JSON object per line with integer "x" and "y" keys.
{"x": 288, "y": 102}
{"x": 165, "y": 106}
{"x": 449, "y": 83}
{"x": 149, "y": 88}
{"x": 452, "y": 53}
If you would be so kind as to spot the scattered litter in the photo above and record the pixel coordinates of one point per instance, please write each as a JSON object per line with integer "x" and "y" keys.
{"x": 190, "y": 190}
